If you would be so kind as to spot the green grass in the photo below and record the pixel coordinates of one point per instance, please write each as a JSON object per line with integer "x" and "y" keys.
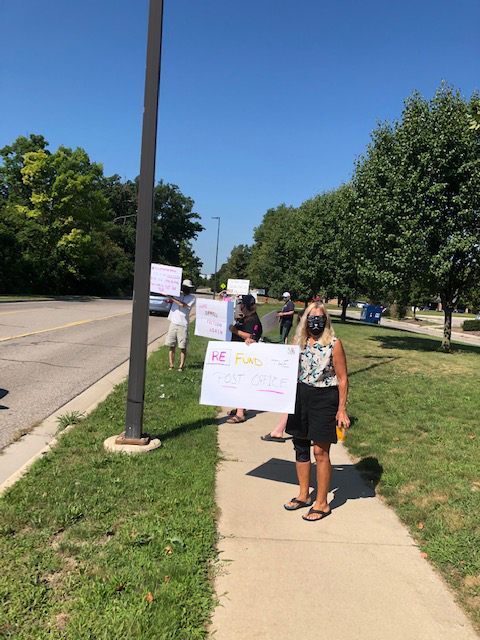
{"x": 86, "y": 536}
{"x": 414, "y": 410}
{"x": 415, "y": 417}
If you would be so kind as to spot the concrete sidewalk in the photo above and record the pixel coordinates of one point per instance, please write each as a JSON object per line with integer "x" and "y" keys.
{"x": 356, "y": 575}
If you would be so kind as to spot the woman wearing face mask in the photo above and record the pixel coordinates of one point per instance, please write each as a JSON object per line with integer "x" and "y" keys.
{"x": 321, "y": 404}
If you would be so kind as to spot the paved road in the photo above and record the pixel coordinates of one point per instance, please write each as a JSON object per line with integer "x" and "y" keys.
{"x": 52, "y": 351}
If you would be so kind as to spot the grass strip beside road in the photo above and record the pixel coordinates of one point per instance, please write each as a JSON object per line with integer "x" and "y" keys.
{"x": 98, "y": 545}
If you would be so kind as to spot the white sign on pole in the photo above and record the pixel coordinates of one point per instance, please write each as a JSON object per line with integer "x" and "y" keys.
{"x": 165, "y": 279}
{"x": 213, "y": 317}
{"x": 238, "y": 287}
{"x": 257, "y": 376}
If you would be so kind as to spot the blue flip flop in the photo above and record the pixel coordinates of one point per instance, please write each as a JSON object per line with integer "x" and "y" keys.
{"x": 299, "y": 504}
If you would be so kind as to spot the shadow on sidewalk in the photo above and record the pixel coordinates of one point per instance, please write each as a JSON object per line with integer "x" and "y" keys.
{"x": 3, "y": 393}
{"x": 249, "y": 415}
{"x": 346, "y": 483}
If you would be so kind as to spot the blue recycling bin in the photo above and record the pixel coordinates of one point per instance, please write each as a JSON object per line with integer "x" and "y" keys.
{"x": 371, "y": 313}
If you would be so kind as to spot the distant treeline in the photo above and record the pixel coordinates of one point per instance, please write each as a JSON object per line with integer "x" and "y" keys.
{"x": 65, "y": 228}
{"x": 406, "y": 228}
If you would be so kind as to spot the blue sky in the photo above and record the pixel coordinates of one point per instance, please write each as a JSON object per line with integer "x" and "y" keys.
{"x": 260, "y": 103}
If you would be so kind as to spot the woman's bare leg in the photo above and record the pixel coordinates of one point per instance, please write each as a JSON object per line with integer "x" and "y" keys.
{"x": 321, "y": 451}
{"x": 280, "y": 428}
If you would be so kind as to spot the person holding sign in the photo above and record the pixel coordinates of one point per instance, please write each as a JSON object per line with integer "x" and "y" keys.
{"x": 320, "y": 405}
{"x": 248, "y": 329}
{"x": 286, "y": 317}
{"x": 179, "y": 317}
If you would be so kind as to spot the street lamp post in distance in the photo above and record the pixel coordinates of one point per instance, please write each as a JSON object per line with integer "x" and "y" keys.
{"x": 143, "y": 246}
{"x": 216, "y": 256}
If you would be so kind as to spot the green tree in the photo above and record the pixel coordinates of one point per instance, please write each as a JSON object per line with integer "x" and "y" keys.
{"x": 418, "y": 190}
{"x": 236, "y": 265}
{"x": 66, "y": 204}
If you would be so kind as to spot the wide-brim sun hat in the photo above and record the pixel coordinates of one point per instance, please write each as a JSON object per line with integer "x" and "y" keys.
{"x": 188, "y": 283}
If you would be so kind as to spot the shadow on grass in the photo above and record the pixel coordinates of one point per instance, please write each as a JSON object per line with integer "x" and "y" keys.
{"x": 407, "y": 340}
{"x": 386, "y": 360}
{"x": 349, "y": 482}
{"x": 184, "y": 428}
{"x": 416, "y": 343}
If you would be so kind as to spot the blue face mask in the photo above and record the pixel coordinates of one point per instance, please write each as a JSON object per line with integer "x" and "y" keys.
{"x": 316, "y": 325}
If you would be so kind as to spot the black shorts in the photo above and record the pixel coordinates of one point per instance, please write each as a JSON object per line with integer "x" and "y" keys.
{"x": 315, "y": 414}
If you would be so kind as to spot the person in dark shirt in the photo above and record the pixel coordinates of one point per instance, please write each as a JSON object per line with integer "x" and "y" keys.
{"x": 248, "y": 329}
{"x": 286, "y": 317}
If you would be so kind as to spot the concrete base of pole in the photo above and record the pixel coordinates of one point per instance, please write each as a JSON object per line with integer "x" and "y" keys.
{"x": 114, "y": 445}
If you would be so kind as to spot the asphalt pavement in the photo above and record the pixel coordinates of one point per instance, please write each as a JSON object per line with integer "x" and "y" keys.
{"x": 51, "y": 351}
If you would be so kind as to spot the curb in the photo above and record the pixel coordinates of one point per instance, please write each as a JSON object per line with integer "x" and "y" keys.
{"x": 19, "y": 456}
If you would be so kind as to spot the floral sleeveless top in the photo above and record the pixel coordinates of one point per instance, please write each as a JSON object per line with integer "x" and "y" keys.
{"x": 316, "y": 365}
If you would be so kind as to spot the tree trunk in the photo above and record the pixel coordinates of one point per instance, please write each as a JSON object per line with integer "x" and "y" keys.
{"x": 343, "y": 317}
{"x": 447, "y": 328}
{"x": 414, "y": 312}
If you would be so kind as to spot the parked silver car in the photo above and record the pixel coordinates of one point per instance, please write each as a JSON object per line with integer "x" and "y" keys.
{"x": 159, "y": 304}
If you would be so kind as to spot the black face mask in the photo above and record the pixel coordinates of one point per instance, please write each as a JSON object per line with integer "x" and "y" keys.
{"x": 316, "y": 324}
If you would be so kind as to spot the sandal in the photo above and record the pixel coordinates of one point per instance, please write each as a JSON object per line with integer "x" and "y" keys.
{"x": 322, "y": 514}
{"x": 180, "y": 369}
{"x": 299, "y": 504}
{"x": 235, "y": 420}
{"x": 269, "y": 438}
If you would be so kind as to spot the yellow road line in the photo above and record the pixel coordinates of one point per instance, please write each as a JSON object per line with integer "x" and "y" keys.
{"x": 64, "y": 326}
{"x": 6, "y": 313}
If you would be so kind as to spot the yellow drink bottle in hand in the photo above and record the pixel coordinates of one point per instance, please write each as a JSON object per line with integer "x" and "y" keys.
{"x": 341, "y": 433}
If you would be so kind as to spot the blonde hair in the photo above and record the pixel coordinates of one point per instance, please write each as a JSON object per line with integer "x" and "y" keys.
{"x": 301, "y": 334}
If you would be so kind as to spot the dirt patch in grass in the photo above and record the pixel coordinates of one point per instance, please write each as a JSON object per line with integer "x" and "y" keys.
{"x": 472, "y": 582}
{"x": 61, "y": 622}
{"x": 431, "y": 499}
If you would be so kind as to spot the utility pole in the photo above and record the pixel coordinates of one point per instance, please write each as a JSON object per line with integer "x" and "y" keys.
{"x": 143, "y": 246}
{"x": 216, "y": 256}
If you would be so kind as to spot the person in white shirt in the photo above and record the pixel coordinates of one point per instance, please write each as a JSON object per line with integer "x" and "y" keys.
{"x": 179, "y": 317}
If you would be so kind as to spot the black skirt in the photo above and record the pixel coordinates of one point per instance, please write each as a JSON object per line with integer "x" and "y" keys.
{"x": 315, "y": 414}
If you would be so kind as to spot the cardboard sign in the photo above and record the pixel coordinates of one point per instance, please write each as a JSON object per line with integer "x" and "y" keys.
{"x": 257, "y": 376}
{"x": 213, "y": 318}
{"x": 269, "y": 322}
{"x": 238, "y": 287}
{"x": 165, "y": 279}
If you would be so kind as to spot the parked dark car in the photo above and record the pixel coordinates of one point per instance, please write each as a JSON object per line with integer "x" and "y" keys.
{"x": 159, "y": 304}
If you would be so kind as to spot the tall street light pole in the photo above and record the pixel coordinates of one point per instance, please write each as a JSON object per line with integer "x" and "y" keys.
{"x": 216, "y": 256}
{"x": 143, "y": 246}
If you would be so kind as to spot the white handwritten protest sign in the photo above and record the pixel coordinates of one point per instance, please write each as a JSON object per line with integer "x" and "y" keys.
{"x": 213, "y": 319}
{"x": 238, "y": 287}
{"x": 165, "y": 279}
{"x": 257, "y": 376}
